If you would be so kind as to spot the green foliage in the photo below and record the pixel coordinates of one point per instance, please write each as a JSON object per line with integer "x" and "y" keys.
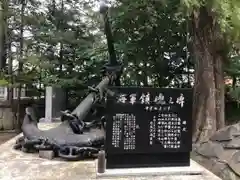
{"x": 3, "y": 82}
{"x": 226, "y": 15}
{"x": 235, "y": 94}
{"x": 151, "y": 41}
{"x": 234, "y": 67}
{"x": 64, "y": 44}
{"x": 59, "y": 45}
{"x": 225, "y": 12}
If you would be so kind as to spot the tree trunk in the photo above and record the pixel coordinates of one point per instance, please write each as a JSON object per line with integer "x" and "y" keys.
{"x": 60, "y": 25}
{"x": 10, "y": 73}
{"x": 220, "y": 92}
{"x": 20, "y": 65}
{"x": 204, "y": 106}
{"x": 234, "y": 82}
{"x": 3, "y": 33}
{"x": 10, "y": 67}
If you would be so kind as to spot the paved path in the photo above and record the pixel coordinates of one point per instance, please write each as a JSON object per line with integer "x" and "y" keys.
{"x": 16, "y": 165}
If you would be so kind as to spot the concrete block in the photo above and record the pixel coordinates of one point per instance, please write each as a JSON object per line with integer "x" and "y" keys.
{"x": 191, "y": 170}
{"x": 46, "y": 154}
{"x": 24, "y": 149}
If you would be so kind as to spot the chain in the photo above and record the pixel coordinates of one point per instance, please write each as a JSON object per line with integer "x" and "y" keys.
{"x": 76, "y": 153}
{"x": 65, "y": 152}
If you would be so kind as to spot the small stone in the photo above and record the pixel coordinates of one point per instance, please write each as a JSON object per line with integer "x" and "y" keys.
{"x": 210, "y": 150}
{"x": 225, "y": 134}
{"x": 46, "y": 154}
{"x": 234, "y": 164}
{"x": 233, "y": 144}
{"x": 226, "y": 155}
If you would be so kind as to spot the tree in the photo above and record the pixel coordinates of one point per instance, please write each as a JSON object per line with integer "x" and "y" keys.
{"x": 64, "y": 46}
{"x": 3, "y": 33}
{"x": 20, "y": 60}
{"x": 61, "y": 48}
{"x": 214, "y": 24}
{"x": 151, "y": 42}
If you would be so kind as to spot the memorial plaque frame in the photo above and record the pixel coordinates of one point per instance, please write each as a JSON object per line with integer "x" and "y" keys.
{"x": 149, "y": 127}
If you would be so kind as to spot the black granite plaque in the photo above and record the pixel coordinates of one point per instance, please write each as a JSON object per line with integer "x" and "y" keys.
{"x": 149, "y": 127}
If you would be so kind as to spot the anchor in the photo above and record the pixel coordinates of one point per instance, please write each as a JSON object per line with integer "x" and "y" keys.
{"x": 75, "y": 139}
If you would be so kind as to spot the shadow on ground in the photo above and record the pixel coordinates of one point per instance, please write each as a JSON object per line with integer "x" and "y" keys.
{"x": 6, "y": 136}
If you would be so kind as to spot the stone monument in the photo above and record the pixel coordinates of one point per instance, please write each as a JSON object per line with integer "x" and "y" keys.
{"x": 149, "y": 127}
{"x": 55, "y": 101}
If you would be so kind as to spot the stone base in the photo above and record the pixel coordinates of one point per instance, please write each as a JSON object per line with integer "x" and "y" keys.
{"x": 46, "y": 154}
{"x": 193, "y": 169}
{"x": 44, "y": 120}
{"x": 17, "y": 165}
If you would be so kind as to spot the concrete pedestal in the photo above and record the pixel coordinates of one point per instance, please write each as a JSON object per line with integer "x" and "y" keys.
{"x": 193, "y": 169}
